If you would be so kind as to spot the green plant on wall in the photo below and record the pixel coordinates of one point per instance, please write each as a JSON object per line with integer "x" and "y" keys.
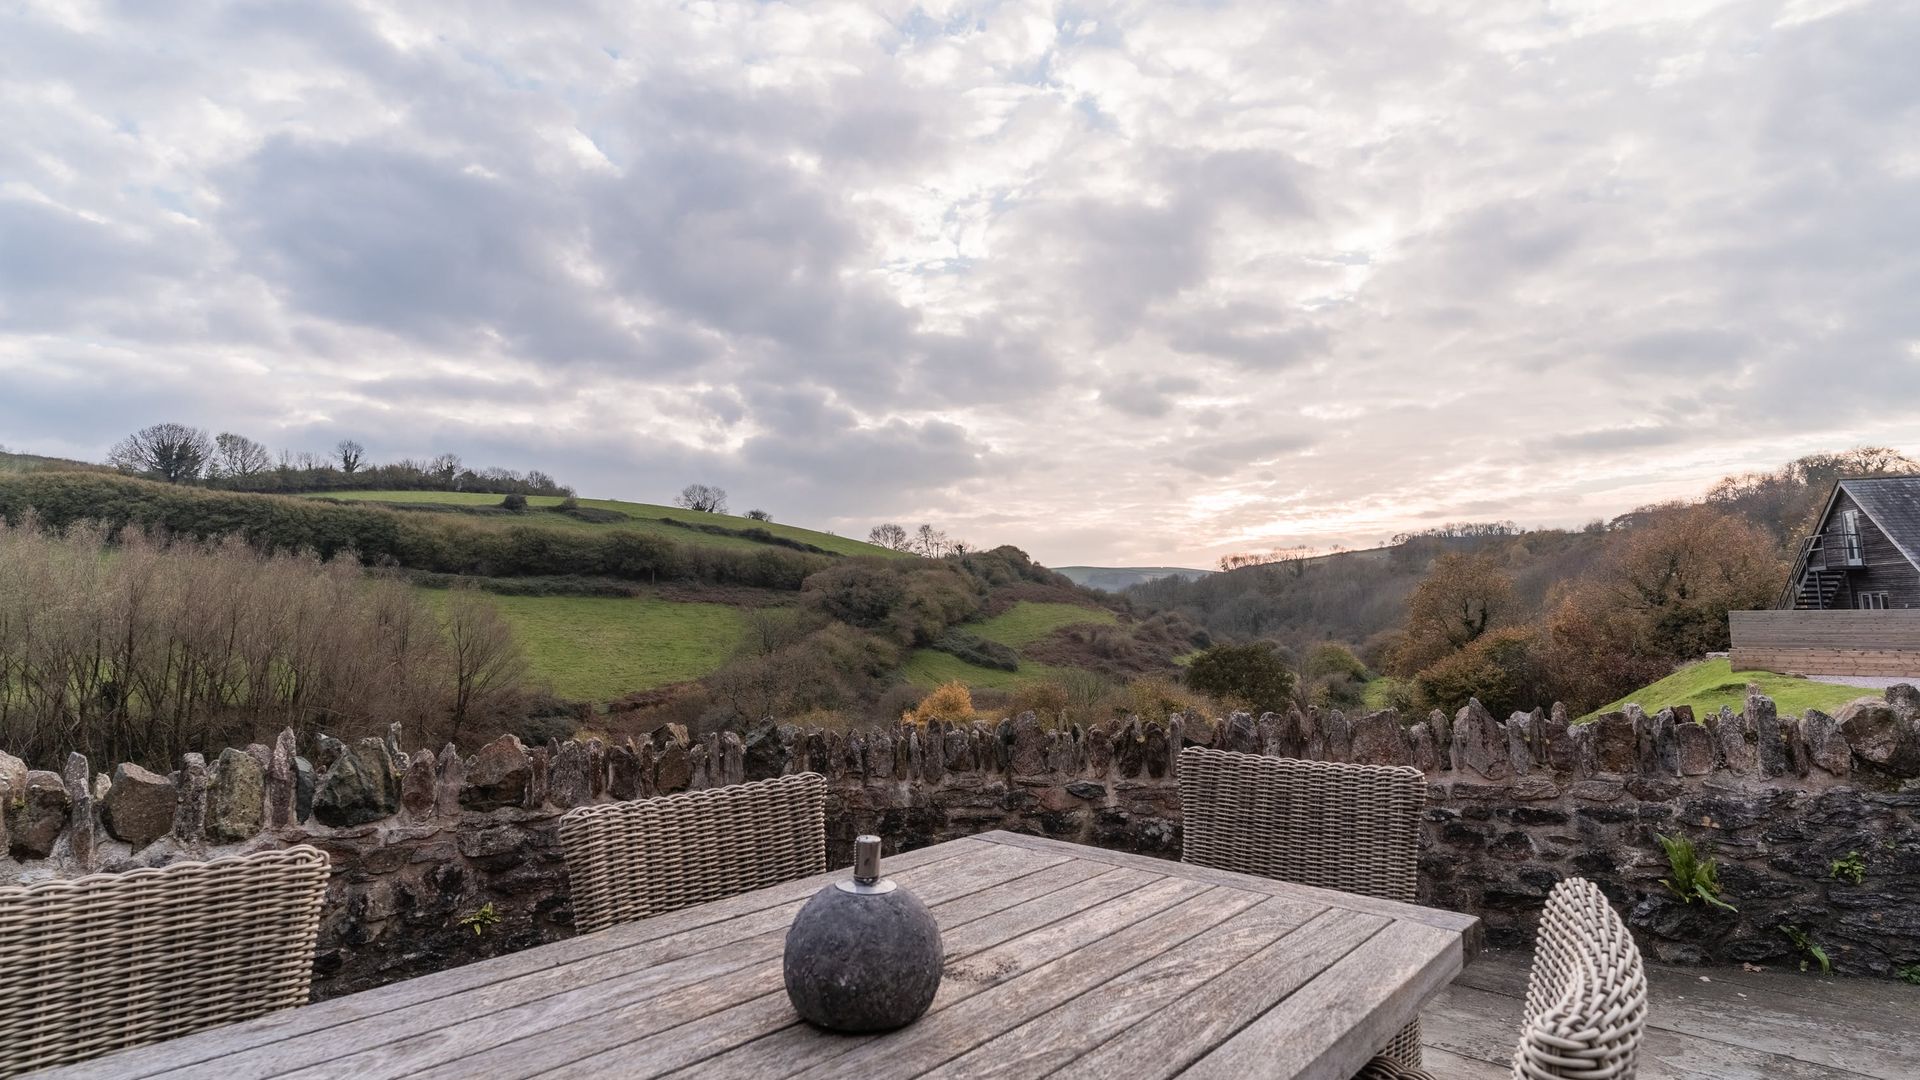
{"x": 1696, "y": 873}
{"x": 482, "y": 920}
{"x": 1807, "y": 945}
{"x": 1909, "y": 974}
{"x": 1852, "y": 868}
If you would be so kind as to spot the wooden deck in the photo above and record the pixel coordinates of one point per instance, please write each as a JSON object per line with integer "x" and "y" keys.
{"x": 1731, "y": 1025}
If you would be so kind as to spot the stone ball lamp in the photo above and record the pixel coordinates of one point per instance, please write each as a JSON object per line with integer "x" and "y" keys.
{"x": 865, "y": 954}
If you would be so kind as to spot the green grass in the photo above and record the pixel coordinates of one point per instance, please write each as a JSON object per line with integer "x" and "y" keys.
{"x": 645, "y": 519}
{"x": 1028, "y": 621}
{"x": 592, "y": 648}
{"x": 930, "y": 668}
{"x": 1712, "y": 683}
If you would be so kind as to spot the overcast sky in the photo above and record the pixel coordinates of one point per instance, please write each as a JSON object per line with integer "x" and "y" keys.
{"x": 1121, "y": 284}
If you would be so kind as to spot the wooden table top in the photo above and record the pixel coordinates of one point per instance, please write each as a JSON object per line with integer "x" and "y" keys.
{"x": 1062, "y": 960}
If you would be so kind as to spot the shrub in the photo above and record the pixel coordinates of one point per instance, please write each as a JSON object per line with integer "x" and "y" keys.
{"x": 977, "y": 650}
{"x": 951, "y": 702}
{"x": 514, "y": 503}
{"x": 1500, "y": 668}
{"x": 1853, "y": 868}
{"x": 1155, "y": 698}
{"x": 759, "y": 515}
{"x": 1253, "y": 675}
{"x": 1696, "y": 873}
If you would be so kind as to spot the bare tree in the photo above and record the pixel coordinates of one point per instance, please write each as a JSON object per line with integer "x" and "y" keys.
{"x": 759, "y": 515}
{"x": 889, "y": 536}
{"x": 350, "y": 454}
{"x": 931, "y": 542}
{"x": 487, "y": 661}
{"x": 702, "y": 497}
{"x": 444, "y": 468}
{"x": 239, "y": 456}
{"x": 175, "y": 453}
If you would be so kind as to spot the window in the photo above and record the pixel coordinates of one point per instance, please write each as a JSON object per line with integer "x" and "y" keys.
{"x": 1871, "y": 600}
{"x": 1850, "y": 551}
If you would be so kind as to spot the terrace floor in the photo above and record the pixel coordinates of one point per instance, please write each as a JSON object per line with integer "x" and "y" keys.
{"x": 1704, "y": 1023}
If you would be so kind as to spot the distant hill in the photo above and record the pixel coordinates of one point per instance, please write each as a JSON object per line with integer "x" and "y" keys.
{"x": 1116, "y": 578}
{"x": 24, "y": 463}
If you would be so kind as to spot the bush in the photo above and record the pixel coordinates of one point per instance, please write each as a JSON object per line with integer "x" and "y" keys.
{"x": 515, "y": 503}
{"x": 1253, "y": 675}
{"x": 950, "y": 702}
{"x": 977, "y": 650}
{"x": 1500, "y": 668}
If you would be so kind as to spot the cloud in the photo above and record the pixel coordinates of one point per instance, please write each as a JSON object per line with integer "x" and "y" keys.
{"x": 1118, "y": 283}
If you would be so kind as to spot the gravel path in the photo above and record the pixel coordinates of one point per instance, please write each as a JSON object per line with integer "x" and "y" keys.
{"x": 1863, "y": 680}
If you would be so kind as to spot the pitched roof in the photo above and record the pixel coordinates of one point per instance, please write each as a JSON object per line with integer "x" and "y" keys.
{"x": 1893, "y": 503}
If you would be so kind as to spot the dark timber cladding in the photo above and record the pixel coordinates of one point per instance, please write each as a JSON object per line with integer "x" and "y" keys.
{"x": 1865, "y": 551}
{"x": 1882, "y": 644}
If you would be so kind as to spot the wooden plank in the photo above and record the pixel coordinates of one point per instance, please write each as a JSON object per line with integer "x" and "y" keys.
{"x": 942, "y": 1036}
{"x": 1330, "y": 1027}
{"x": 1790, "y": 1022}
{"x": 180, "y": 1053}
{"x": 1187, "y": 1029}
{"x": 402, "y": 1042}
{"x": 1057, "y": 1038}
{"x": 766, "y": 1039}
{"x": 1478, "y": 1025}
{"x": 571, "y": 1040}
{"x": 1467, "y": 926}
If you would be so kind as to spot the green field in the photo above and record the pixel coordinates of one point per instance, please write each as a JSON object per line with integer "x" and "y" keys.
{"x": 592, "y": 648}
{"x": 1028, "y": 621}
{"x": 639, "y": 513}
{"x": 1712, "y": 683}
{"x": 930, "y": 668}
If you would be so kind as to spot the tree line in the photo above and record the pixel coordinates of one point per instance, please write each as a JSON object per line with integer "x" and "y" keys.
{"x": 149, "y": 649}
{"x": 181, "y": 454}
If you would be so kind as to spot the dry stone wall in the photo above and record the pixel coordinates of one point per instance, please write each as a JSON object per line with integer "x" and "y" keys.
{"x": 441, "y": 859}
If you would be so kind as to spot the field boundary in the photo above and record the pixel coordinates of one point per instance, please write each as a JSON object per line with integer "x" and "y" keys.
{"x": 1881, "y": 644}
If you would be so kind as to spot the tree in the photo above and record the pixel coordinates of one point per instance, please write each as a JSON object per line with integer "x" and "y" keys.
{"x": 759, "y": 515}
{"x": 487, "y": 662}
{"x": 237, "y": 456}
{"x": 175, "y": 453}
{"x": 514, "y": 503}
{"x": 1461, "y": 598}
{"x": 1255, "y": 675}
{"x": 889, "y": 536}
{"x": 702, "y": 497}
{"x": 932, "y": 543}
{"x": 445, "y": 469}
{"x": 350, "y": 454}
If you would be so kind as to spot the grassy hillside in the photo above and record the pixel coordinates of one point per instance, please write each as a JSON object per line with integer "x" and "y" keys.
{"x": 642, "y": 517}
{"x": 1712, "y": 683}
{"x": 1028, "y": 621}
{"x": 928, "y": 668}
{"x": 24, "y": 463}
{"x": 600, "y": 648}
{"x": 1117, "y": 578}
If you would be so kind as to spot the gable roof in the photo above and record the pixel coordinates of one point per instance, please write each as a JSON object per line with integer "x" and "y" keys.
{"x": 1892, "y": 503}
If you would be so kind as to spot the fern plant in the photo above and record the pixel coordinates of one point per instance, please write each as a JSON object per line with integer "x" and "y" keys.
{"x": 1853, "y": 868}
{"x": 1807, "y": 945}
{"x": 1696, "y": 873}
{"x": 1909, "y": 974}
{"x": 482, "y": 920}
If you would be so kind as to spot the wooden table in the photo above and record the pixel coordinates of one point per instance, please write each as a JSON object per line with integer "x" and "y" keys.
{"x": 1062, "y": 960}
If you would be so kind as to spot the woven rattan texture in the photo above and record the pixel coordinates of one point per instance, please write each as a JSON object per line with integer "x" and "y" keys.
{"x": 1586, "y": 994}
{"x": 1355, "y": 828}
{"x": 631, "y": 860}
{"x": 115, "y": 960}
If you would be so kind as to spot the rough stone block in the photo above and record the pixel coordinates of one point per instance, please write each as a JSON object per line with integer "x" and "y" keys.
{"x": 1827, "y": 748}
{"x": 1378, "y": 739}
{"x": 1479, "y": 742}
{"x": 1693, "y": 749}
{"x": 139, "y": 806}
{"x": 417, "y": 786}
{"x": 501, "y": 773}
{"x": 1882, "y": 737}
{"x": 40, "y": 816}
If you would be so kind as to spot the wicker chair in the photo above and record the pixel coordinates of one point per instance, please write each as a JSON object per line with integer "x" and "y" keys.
{"x": 1355, "y": 828}
{"x": 1586, "y": 996}
{"x": 632, "y": 860}
{"x": 109, "y": 961}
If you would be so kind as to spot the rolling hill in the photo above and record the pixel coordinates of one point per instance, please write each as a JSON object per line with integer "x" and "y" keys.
{"x": 1118, "y": 578}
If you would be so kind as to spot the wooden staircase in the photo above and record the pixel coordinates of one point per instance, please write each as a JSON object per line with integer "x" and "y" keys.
{"x": 1818, "y": 589}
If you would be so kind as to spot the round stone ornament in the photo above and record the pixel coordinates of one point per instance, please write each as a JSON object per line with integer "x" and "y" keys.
{"x": 865, "y": 954}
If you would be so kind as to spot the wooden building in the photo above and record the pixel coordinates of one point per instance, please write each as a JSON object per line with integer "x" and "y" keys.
{"x": 1865, "y": 551}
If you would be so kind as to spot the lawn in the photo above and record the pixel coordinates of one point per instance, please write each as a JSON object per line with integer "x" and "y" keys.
{"x": 1712, "y": 683}
{"x": 593, "y": 648}
{"x": 930, "y": 668}
{"x": 1028, "y": 621}
{"x": 645, "y": 518}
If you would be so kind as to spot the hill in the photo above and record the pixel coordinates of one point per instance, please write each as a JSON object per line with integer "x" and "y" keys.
{"x": 1119, "y": 578}
{"x": 25, "y": 463}
{"x": 670, "y": 522}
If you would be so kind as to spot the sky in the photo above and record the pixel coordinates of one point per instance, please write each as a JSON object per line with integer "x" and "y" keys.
{"x": 1123, "y": 284}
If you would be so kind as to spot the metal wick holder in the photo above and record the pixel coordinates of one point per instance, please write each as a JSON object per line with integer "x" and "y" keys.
{"x": 866, "y": 869}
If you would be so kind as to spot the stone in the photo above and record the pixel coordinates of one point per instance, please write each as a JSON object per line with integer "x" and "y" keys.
{"x": 281, "y": 788}
{"x": 305, "y": 781}
{"x": 1693, "y": 749}
{"x": 623, "y": 773}
{"x": 236, "y": 802}
{"x": 417, "y": 785}
{"x": 1378, "y": 739}
{"x": 1662, "y": 750}
{"x": 1616, "y": 745}
{"x": 570, "y": 779}
{"x": 190, "y": 815}
{"x": 359, "y": 786}
{"x": 40, "y": 816}
{"x": 450, "y": 777}
{"x": 671, "y": 735}
{"x": 1881, "y": 736}
{"x": 80, "y": 834}
{"x": 1904, "y": 699}
{"x": 501, "y": 773}
{"x": 732, "y": 760}
{"x": 767, "y": 750}
{"x": 1087, "y": 789}
{"x": 1338, "y": 733}
{"x": 1479, "y": 742}
{"x": 139, "y": 806}
{"x": 1520, "y": 743}
{"x": 1769, "y": 734}
{"x": 860, "y": 961}
{"x": 1737, "y": 743}
{"x": 13, "y": 781}
{"x": 1426, "y": 754}
{"x": 1827, "y": 748}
